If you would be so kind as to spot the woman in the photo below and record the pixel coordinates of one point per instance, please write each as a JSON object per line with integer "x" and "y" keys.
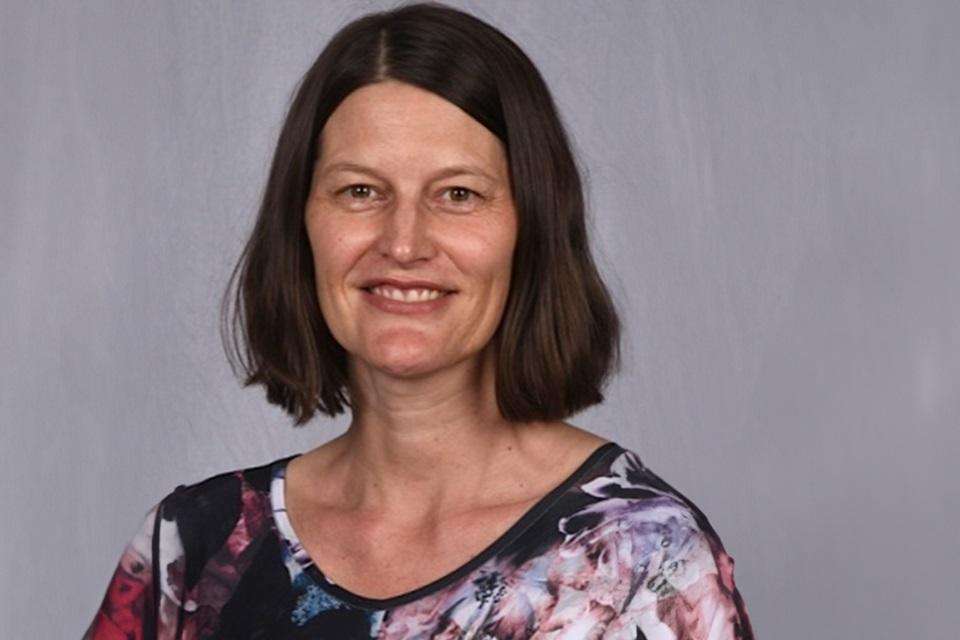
{"x": 421, "y": 257}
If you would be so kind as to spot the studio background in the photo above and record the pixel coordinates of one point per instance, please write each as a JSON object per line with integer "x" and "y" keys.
{"x": 774, "y": 191}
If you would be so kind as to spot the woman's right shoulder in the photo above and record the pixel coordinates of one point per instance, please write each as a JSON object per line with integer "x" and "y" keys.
{"x": 206, "y": 511}
{"x": 164, "y": 567}
{"x": 228, "y": 486}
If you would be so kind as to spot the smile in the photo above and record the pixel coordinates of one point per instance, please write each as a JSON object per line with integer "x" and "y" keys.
{"x": 406, "y": 301}
{"x": 407, "y": 295}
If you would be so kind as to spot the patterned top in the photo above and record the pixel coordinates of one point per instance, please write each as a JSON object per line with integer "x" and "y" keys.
{"x": 612, "y": 552}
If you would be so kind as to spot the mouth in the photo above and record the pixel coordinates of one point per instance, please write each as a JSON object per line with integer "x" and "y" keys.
{"x": 413, "y": 302}
{"x": 412, "y": 295}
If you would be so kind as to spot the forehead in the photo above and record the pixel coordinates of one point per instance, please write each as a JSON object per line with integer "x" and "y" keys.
{"x": 392, "y": 123}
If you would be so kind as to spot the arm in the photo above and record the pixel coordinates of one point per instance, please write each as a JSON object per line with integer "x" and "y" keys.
{"x": 143, "y": 595}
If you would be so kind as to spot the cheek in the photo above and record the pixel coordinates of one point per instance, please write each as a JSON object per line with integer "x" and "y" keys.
{"x": 499, "y": 260}
{"x": 486, "y": 251}
{"x": 333, "y": 254}
{"x": 332, "y": 242}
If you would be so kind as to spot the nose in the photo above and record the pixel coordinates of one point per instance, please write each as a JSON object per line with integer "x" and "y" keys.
{"x": 405, "y": 234}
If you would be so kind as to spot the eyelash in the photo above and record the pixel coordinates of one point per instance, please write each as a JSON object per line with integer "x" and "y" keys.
{"x": 360, "y": 184}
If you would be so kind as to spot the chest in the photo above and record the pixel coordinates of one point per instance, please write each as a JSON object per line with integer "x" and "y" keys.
{"x": 375, "y": 559}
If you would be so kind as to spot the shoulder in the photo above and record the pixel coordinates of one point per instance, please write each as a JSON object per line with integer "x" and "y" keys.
{"x": 226, "y": 487}
{"x": 257, "y": 476}
{"x": 627, "y": 492}
{"x": 207, "y": 513}
{"x": 667, "y": 567}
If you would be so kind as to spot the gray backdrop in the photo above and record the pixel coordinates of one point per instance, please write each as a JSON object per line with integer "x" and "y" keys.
{"x": 775, "y": 190}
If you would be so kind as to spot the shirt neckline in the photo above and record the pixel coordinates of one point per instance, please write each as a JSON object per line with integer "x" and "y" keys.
{"x": 289, "y": 538}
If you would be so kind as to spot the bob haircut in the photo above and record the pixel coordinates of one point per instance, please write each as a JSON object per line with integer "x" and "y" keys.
{"x": 558, "y": 338}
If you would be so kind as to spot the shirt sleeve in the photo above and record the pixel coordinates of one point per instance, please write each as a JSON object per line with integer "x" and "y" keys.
{"x": 684, "y": 590}
{"x": 143, "y": 598}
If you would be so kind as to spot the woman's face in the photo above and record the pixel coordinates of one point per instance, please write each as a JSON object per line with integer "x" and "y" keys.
{"x": 409, "y": 187}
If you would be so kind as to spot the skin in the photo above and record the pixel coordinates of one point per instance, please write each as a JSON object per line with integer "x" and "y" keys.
{"x": 427, "y": 462}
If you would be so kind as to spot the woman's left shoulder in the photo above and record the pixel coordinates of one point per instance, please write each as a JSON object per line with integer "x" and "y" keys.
{"x": 625, "y": 487}
{"x": 672, "y": 571}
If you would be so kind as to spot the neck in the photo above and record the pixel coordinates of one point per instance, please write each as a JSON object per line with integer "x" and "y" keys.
{"x": 417, "y": 448}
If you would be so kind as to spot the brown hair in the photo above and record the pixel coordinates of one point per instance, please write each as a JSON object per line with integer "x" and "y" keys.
{"x": 558, "y": 339}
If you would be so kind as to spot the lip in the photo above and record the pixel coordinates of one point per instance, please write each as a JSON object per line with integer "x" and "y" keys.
{"x": 405, "y": 284}
{"x": 402, "y": 307}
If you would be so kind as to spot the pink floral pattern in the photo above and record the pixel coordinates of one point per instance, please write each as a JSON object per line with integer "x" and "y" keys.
{"x": 614, "y": 552}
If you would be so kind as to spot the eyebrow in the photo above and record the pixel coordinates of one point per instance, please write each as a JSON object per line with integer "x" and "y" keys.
{"x": 452, "y": 170}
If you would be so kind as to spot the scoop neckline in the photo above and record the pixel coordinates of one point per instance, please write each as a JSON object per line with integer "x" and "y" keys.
{"x": 290, "y": 539}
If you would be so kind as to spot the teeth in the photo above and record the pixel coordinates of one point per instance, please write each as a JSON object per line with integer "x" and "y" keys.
{"x": 407, "y": 295}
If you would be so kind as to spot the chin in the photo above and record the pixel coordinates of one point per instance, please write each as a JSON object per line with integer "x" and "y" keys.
{"x": 407, "y": 369}
{"x": 404, "y": 361}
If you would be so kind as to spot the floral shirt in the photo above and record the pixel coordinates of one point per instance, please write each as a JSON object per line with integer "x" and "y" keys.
{"x": 612, "y": 552}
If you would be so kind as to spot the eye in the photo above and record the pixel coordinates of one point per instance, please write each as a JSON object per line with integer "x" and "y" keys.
{"x": 358, "y": 193}
{"x": 462, "y": 194}
{"x": 352, "y": 190}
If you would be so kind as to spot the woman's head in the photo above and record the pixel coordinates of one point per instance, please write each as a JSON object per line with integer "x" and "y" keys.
{"x": 529, "y": 290}
{"x": 407, "y": 187}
